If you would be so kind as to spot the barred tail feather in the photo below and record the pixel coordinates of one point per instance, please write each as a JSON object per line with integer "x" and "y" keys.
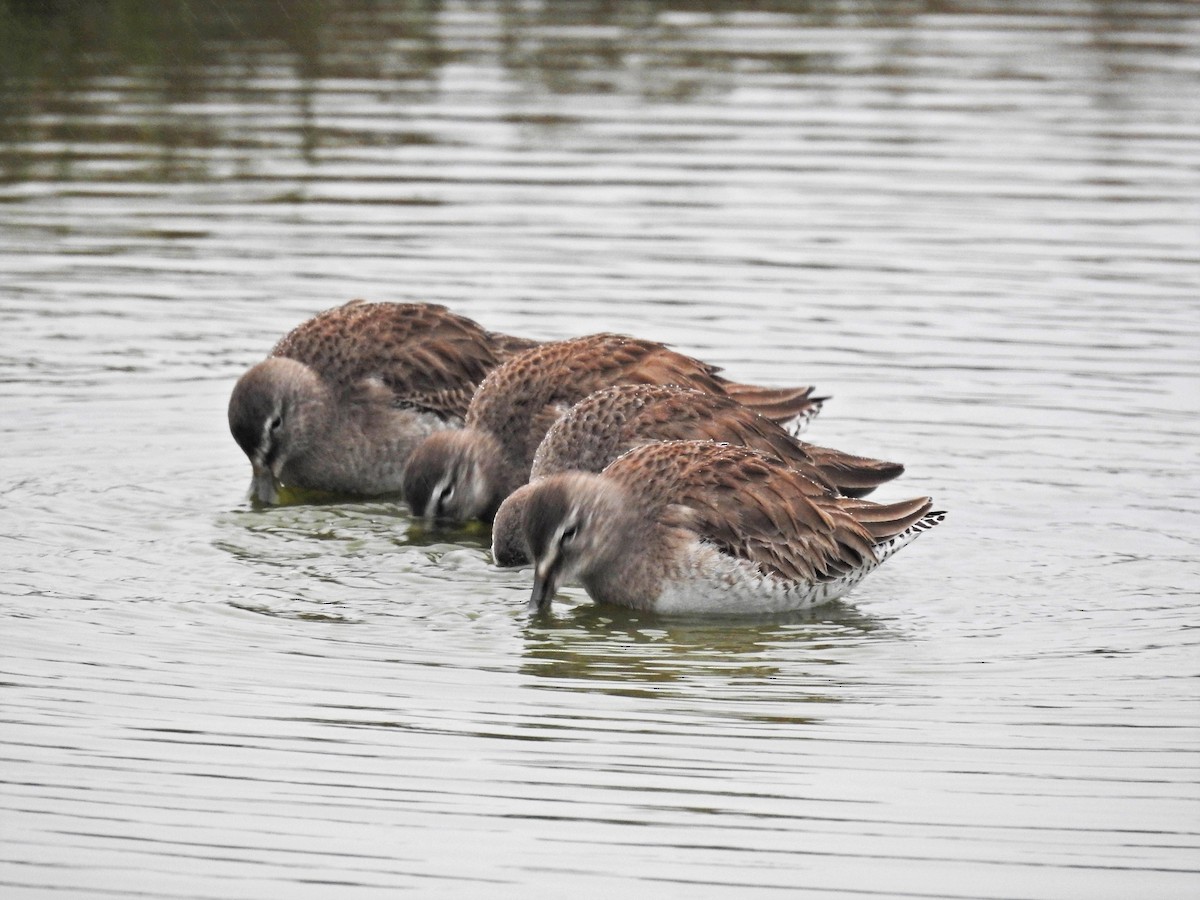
{"x": 889, "y": 547}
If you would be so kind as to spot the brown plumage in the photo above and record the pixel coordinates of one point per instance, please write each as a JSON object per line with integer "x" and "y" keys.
{"x": 694, "y": 526}
{"x": 467, "y": 475}
{"x": 610, "y": 422}
{"x": 426, "y": 356}
{"x": 758, "y": 509}
{"x": 345, "y": 396}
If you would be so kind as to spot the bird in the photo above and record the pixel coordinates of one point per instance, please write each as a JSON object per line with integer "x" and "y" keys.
{"x": 612, "y": 421}
{"x": 452, "y": 478}
{"x": 344, "y": 397}
{"x": 702, "y": 527}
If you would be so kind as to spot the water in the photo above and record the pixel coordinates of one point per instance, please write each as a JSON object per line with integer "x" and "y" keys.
{"x": 975, "y": 225}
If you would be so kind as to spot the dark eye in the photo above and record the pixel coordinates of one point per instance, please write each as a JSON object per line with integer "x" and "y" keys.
{"x": 276, "y": 422}
{"x": 568, "y": 535}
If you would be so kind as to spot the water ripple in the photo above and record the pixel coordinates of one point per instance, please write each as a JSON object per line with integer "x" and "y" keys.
{"x": 975, "y": 228}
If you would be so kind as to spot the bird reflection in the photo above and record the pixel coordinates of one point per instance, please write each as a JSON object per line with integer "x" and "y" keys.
{"x": 635, "y": 653}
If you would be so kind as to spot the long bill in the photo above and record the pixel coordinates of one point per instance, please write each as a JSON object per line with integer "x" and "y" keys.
{"x": 545, "y": 586}
{"x": 263, "y": 486}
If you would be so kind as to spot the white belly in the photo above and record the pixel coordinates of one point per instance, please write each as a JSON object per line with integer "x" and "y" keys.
{"x": 713, "y": 583}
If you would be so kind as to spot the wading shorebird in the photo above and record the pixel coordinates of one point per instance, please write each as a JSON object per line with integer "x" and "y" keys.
{"x": 700, "y": 527}
{"x": 611, "y": 422}
{"x": 342, "y": 400}
{"x": 454, "y": 477}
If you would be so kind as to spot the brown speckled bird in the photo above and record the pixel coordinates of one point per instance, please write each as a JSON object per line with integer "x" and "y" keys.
{"x": 343, "y": 398}
{"x": 701, "y": 527}
{"x": 613, "y": 421}
{"x": 453, "y": 477}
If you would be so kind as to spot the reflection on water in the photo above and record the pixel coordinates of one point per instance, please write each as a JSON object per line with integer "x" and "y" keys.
{"x": 637, "y": 654}
{"x": 973, "y": 223}
{"x": 204, "y": 80}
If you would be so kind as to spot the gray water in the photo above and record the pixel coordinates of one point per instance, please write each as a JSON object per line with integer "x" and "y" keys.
{"x": 975, "y": 225}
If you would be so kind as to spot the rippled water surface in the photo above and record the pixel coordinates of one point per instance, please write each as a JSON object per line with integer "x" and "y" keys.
{"x": 976, "y": 225}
